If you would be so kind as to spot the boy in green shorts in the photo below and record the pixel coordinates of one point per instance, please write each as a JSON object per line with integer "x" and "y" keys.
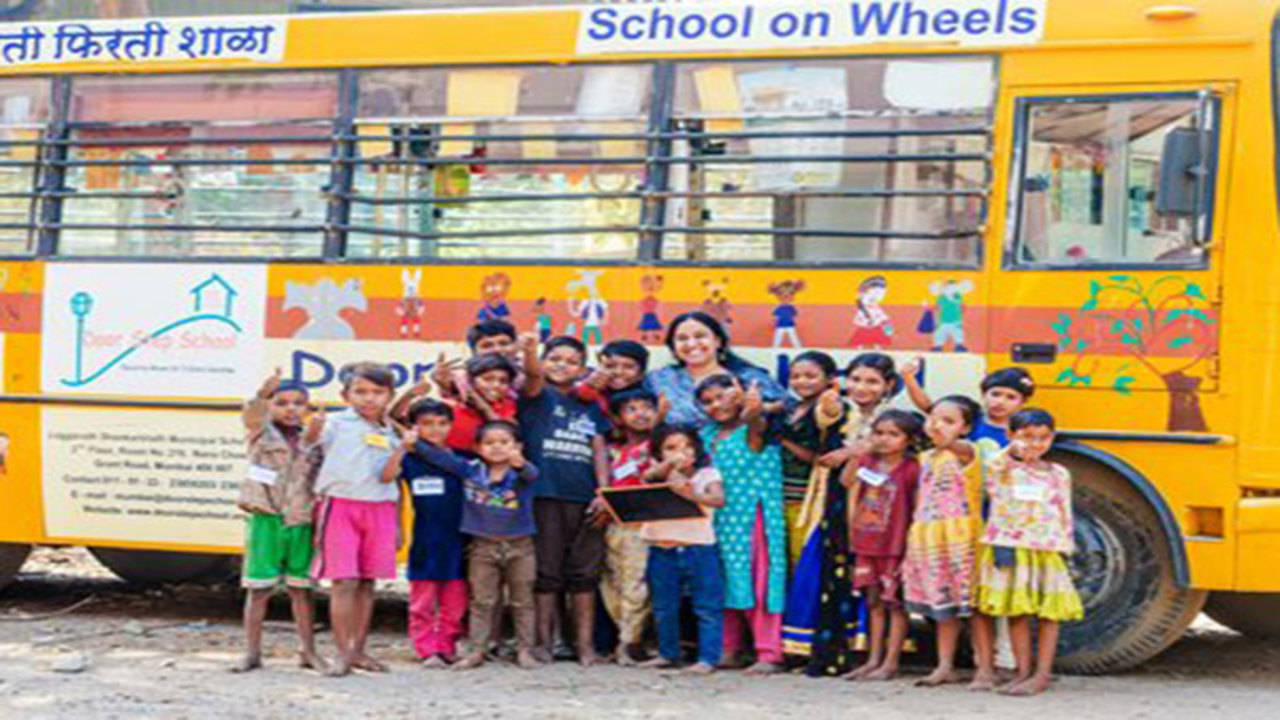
{"x": 277, "y": 494}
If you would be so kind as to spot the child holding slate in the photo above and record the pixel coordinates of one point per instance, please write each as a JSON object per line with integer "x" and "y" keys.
{"x": 683, "y": 553}
{"x": 622, "y": 585}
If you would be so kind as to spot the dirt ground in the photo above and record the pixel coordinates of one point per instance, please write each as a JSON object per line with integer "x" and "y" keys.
{"x": 162, "y": 653}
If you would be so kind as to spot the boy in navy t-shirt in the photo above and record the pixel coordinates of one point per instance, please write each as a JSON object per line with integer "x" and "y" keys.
{"x": 437, "y": 579}
{"x": 564, "y": 437}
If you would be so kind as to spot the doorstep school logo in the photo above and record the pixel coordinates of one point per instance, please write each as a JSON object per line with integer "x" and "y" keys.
{"x": 817, "y": 23}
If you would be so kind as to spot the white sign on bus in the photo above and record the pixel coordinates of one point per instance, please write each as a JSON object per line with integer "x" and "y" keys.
{"x": 815, "y": 23}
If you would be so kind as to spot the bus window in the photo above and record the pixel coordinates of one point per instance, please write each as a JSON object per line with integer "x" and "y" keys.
{"x": 198, "y": 165}
{"x": 862, "y": 160}
{"x": 1090, "y": 171}
{"x": 24, "y": 113}
{"x": 511, "y": 162}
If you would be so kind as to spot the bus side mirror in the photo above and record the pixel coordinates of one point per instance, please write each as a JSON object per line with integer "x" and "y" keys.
{"x": 1183, "y": 173}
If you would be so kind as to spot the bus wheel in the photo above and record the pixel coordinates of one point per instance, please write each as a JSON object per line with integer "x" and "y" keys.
{"x": 153, "y": 567}
{"x": 1123, "y": 569}
{"x": 1255, "y": 615}
{"x": 12, "y": 555}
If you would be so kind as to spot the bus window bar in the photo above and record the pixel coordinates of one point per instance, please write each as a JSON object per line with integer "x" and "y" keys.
{"x": 668, "y": 194}
{"x": 498, "y": 137}
{"x": 799, "y": 232}
{"x": 170, "y": 227}
{"x": 679, "y": 135}
{"x": 676, "y": 159}
{"x": 456, "y": 160}
{"x": 891, "y": 114}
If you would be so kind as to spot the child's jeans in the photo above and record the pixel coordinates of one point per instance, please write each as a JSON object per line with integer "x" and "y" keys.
{"x": 436, "y": 609}
{"x": 693, "y": 570}
{"x": 494, "y": 564}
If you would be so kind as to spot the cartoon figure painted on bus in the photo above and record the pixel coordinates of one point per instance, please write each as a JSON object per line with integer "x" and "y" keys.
{"x": 411, "y": 305}
{"x": 493, "y": 291}
{"x": 716, "y": 304}
{"x": 1165, "y": 328}
{"x": 586, "y": 304}
{"x": 871, "y": 327}
{"x": 324, "y": 301}
{"x": 948, "y": 300}
{"x": 784, "y": 315}
{"x": 541, "y": 319}
{"x": 650, "y": 324}
{"x": 4, "y": 454}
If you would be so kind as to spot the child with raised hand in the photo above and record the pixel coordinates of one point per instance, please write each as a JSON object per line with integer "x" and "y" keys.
{"x": 565, "y": 438}
{"x": 683, "y": 554}
{"x": 497, "y": 513}
{"x": 938, "y": 570}
{"x": 870, "y": 380}
{"x": 487, "y": 337}
{"x": 1004, "y": 392}
{"x": 622, "y": 585}
{"x": 1021, "y": 571}
{"x": 277, "y": 494}
{"x": 437, "y": 579}
{"x": 487, "y": 397}
{"x": 883, "y": 486}
{"x": 750, "y": 529}
{"x": 358, "y": 523}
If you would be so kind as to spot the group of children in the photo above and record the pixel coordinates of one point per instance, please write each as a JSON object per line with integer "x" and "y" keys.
{"x": 953, "y": 515}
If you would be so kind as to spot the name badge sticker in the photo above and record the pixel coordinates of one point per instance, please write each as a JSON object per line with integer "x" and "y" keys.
{"x": 871, "y": 477}
{"x": 377, "y": 440}
{"x": 1030, "y": 492}
{"x": 428, "y": 486}
{"x": 626, "y": 470}
{"x": 263, "y": 475}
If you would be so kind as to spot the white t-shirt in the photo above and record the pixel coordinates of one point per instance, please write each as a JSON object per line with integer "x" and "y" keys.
{"x": 694, "y": 531}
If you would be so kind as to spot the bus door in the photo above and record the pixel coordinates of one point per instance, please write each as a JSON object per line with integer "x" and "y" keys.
{"x": 1109, "y": 280}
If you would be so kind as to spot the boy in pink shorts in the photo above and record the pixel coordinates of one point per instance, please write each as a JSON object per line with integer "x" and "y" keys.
{"x": 358, "y": 521}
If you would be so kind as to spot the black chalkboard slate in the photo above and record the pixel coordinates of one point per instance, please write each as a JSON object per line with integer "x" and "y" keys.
{"x": 649, "y": 503}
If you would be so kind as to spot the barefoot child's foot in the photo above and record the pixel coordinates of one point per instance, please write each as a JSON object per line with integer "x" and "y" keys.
{"x": 470, "y": 662}
{"x": 542, "y": 655}
{"x": 884, "y": 672}
{"x": 247, "y": 663}
{"x": 941, "y": 676}
{"x": 435, "y": 662}
{"x": 983, "y": 682}
{"x": 700, "y": 668}
{"x": 659, "y": 663}
{"x": 526, "y": 660}
{"x": 339, "y": 667}
{"x": 624, "y": 657}
{"x": 309, "y": 659}
{"x": 1033, "y": 685}
{"x": 733, "y": 662}
{"x": 368, "y": 664}
{"x": 861, "y": 671}
{"x": 764, "y": 668}
{"x": 588, "y": 657}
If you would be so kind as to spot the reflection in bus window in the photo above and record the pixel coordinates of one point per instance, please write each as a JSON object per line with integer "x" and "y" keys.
{"x": 199, "y": 165}
{"x": 514, "y": 162}
{"x": 24, "y": 113}
{"x": 867, "y": 160}
{"x": 1089, "y": 180}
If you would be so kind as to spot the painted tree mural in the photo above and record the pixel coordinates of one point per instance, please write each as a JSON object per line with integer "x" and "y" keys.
{"x": 1126, "y": 327}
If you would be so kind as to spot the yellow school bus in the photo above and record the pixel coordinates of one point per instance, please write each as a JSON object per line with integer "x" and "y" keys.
{"x": 1086, "y": 189}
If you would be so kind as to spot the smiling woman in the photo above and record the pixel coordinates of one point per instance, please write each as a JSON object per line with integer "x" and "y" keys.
{"x": 700, "y": 346}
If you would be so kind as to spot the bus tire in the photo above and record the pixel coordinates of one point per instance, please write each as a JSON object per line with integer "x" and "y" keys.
{"x": 1254, "y": 615}
{"x": 12, "y": 555}
{"x": 1123, "y": 568}
{"x": 155, "y": 567}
